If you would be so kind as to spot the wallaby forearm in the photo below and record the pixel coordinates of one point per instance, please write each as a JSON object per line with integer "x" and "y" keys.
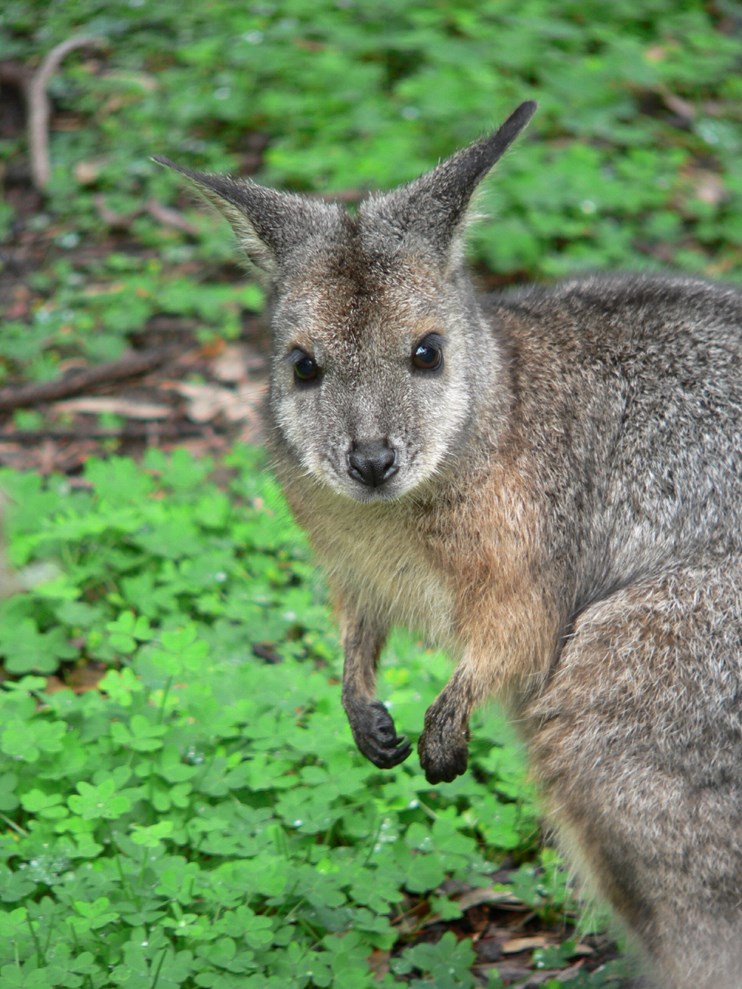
{"x": 363, "y": 639}
{"x": 510, "y": 644}
{"x": 372, "y": 725}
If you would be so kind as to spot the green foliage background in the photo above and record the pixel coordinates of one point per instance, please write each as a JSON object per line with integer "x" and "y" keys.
{"x": 201, "y": 818}
{"x": 631, "y": 159}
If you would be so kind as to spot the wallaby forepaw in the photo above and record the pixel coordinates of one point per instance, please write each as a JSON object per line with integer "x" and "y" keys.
{"x": 444, "y": 752}
{"x": 376, "y": 737}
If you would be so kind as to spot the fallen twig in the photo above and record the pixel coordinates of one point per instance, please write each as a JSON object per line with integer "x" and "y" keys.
{"x": 170, "y": 217}
{"x": 176, "y": 429}
{"x": 38, "y": 105}
{"x": 39, "y": 392}
{"x": 163, "y": 214}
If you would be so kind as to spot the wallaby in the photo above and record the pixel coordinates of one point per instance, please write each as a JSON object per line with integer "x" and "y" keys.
{"x": 546, "y": 483}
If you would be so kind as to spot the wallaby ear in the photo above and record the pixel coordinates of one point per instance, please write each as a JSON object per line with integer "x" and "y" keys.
{"x": 268, "y": 224}
{"x": 431, "y": 211}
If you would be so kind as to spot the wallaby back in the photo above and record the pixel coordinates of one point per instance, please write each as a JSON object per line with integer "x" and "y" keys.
{"x": 547, "y": 483}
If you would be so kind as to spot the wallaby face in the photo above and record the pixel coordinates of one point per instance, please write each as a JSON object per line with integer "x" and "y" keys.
{"x": 549, "y": 485}
{"x": 370, "y": 386}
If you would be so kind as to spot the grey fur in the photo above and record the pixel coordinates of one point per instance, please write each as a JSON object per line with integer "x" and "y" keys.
{"x": 560, "y": 509}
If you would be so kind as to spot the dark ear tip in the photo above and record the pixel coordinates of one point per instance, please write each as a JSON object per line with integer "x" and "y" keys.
{"x": 166, "y": 163}
{"x": 524, "y": 112}
{"x": 200, "y": 178}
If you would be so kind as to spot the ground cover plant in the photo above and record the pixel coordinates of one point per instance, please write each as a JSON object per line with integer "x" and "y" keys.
{"x": 181, "y": 801}
{"x": 193, "y": 813}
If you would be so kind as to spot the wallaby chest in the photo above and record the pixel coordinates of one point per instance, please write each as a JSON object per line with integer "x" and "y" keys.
{"x": 378, "y": 559}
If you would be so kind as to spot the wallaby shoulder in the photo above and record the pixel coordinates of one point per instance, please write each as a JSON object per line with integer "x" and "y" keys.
{"x": 615, "y": 314}
{"x": 630, "y": 388}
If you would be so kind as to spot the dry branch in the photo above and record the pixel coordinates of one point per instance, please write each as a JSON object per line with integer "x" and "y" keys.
{"x": 39, "y": 392}
{"x": 177, "y": 429}
{"x": 163, "y": 214}
{"x": 38, "y": 105}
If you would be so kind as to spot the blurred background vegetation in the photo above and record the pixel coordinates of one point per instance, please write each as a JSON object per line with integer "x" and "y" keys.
{"x": 632, "y": 160}
{"x": 180, "y": 569}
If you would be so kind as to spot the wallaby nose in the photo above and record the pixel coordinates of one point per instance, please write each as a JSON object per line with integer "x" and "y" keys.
{"x": 372, "y": 463}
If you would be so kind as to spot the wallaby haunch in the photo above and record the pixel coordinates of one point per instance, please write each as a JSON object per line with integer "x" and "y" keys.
{"x": 547, "y": 483}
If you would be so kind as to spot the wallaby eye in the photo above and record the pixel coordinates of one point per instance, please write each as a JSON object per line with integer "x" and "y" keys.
{"x": 428, "y": 354}
{"x": 306, "y": 368}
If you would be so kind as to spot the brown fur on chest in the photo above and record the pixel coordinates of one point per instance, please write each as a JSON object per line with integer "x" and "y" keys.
{"x": 431, "y": 563}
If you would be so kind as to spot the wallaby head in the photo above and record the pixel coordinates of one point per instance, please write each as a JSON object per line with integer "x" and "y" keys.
{"x": 379, "y": 352}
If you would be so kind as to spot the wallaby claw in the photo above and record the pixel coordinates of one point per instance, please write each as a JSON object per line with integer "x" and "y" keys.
{"x": 376, "y": 737}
